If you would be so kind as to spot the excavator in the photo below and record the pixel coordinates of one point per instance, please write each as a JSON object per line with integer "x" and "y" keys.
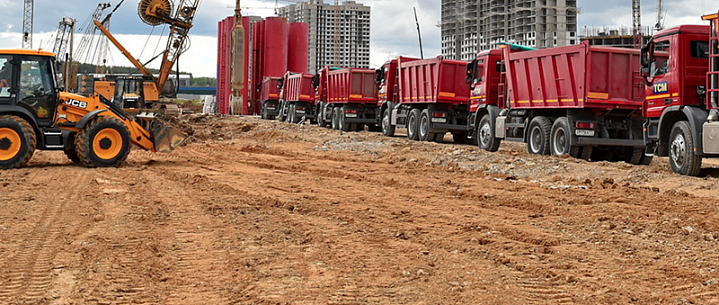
{"x": 36, "y": 113}
{"x": 138, "y": 94}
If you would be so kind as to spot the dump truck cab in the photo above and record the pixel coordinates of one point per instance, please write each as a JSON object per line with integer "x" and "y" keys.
{"x": 675, "y": 66}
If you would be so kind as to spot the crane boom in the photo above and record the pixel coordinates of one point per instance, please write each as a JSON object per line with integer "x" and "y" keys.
{"x": 122, "y": 49}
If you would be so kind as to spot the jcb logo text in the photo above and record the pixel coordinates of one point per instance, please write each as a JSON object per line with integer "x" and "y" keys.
{"x": 76, "y": 103}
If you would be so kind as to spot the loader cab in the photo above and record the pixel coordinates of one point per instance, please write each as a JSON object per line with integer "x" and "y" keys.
{"x": 28, "y": 84}
{"x": 129, "y": 92}
{"x": 674, "y": 66}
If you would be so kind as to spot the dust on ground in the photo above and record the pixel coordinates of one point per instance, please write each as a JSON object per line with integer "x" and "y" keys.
{"x": 263, "y": 212}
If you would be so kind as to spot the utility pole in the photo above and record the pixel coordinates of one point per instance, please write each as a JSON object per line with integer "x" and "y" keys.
{"x": 27, "y": 14}
{"x": 237, "y": 66}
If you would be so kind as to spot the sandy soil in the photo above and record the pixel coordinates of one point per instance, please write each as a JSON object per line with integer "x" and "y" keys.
{"x": 262, "y": 212}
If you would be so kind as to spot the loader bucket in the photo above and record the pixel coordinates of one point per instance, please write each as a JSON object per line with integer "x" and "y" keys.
{"x": 165, "y": 137}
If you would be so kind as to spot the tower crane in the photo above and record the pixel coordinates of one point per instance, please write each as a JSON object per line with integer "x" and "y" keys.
{"x": 27, "y": 15}
{"x": 660, "y": 19}
{"x": 637, "y": 24}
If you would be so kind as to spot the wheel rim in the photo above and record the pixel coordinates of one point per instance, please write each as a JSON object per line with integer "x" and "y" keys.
{"x": 107, "y": 143}
{"x": 560, "y": 142}
{"x": 535, "y": 136}
{"x": 485, "y": 134}
{"x": 10, "y": 144}
{"x": 424, "y": 126}
{"x": 678, "y": 150}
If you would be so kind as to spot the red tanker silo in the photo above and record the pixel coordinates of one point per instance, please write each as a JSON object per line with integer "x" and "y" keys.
{"x": 275, "y": 46}
{"x": 298, "y": 47}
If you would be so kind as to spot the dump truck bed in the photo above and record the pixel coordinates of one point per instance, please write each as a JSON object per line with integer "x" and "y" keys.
{"x": 578, "y": 76}
{"x": 298, "y": 87}
{"x": 351, "y": 85}
{"x": 434, "y": 80}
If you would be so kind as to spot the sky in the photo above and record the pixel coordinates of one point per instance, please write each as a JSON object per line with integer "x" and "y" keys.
{"x": 393, "y": 29}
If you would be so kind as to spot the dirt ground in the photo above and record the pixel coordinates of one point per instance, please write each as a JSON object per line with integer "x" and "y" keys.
{"x": 262, "y": 212}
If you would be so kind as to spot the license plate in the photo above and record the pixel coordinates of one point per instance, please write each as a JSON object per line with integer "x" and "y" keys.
{"x": 584, "y": 132}
{"x": 439, "y": 120}
{"x": 350, "y": 115}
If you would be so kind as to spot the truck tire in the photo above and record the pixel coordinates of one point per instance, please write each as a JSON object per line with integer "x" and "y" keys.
{"x": 387, "y": 127}
{"x": 538, "y": 139}
{"x": 681, "y": 150}
{"x": 342, "y": 120}
{"x": 581, "y": 152}
{"x": 105, "y": 142}
{"x": 559, "y": 137}
{"x": 263, "y": 111}
{"x": 413, "y": 124}
{"x": 335, "y": 118}
{"x": 485, "y": 135}
{"x": 423, "y": 133}
{"x": 17, "y": 142}
{"x": 321, "y": 115}
{"x": 292, "y": 114}
{"x": 282, "y": 114}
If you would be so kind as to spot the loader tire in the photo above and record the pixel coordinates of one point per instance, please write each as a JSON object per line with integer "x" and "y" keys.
{"x": 103, "y": 143}
{"x": 70, "y": 150}
{"x": 17, "y": 142}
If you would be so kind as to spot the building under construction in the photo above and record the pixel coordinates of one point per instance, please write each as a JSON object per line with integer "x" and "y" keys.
{"x": 339, "y": 34}
{"x": 472, "y": 26}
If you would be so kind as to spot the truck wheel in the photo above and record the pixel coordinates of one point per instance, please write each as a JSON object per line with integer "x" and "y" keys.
{"x": 342, "y": 120}
{"x": 538, "y": 140}
{"x": 581, "y": 152}
{"x": 559, "y": 137}
{"x": 485, "y": 135}
{"x": 681, "y": 151}
{"x": 413, "y": 124}
{"x": 335, "y": 118}
{"x": 321, "y": 115}
{"x": 292, "y": 115}
{"x": 387, "y": 127}
{"x": 104, "y": 142}
{"x": 423, "y": 127}
{"x": 282, "y": 114}
{"x": 17, "y": 142}
{"x": 263, "y": 111}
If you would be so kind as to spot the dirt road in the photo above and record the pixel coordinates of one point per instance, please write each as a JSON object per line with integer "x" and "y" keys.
{"x": 260, "y": 212}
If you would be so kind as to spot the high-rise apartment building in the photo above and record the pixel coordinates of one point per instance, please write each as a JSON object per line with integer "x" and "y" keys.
{"x": 472, "y": 26}
{"x": 339, "y": 34}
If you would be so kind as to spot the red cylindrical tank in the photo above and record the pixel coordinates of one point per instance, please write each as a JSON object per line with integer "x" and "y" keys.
{"x": 224, "y": 30}
{"x": 258, "y": 34}
{"x": 298, "y": 47}
{"x": 275, "y": 46}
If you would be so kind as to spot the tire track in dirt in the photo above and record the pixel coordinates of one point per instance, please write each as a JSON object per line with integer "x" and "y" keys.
{"x": 27, "y": 275}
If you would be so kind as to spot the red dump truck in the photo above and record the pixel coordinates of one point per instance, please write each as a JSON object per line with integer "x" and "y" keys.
{"x": 346, "y": 98}
{"x": 581, "y": 100}
{"x": 269, "y": 98}
{"x": 297, "y": 97}
{"x": 427, "y": 96}
{"x": 681, "y": 69}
